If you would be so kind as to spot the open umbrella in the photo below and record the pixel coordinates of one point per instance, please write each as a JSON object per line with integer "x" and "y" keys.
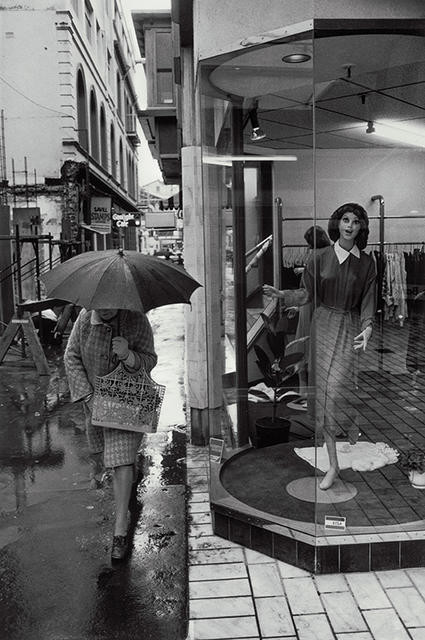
{"x": 117, "y": 279}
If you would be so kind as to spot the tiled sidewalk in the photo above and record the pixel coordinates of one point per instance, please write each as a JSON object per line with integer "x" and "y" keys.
{"x": 238, "y": 593}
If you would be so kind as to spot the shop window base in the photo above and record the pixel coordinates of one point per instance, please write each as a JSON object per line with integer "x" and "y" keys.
{"x": 251, "y": 506}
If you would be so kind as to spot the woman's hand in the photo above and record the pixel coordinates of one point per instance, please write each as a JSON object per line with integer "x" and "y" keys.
{"x": 272, "y": 292}
{"x": 120, "y": 347}
{"x": 360, "y": 341}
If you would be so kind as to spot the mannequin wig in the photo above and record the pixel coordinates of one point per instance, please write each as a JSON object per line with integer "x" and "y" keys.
{"x": 316, "y": 237}
{"x": 357, "y": 210}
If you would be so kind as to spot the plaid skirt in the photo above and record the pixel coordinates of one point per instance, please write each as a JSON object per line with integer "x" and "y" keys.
{"x": 119, "y": 447}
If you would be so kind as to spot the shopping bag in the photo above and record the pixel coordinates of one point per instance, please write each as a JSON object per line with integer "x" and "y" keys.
{"x": 129, "y": 401}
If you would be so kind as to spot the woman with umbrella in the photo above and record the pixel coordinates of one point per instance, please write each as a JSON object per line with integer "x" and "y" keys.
{"x": 99, "y": 340}
{"x": 115, "y": 289}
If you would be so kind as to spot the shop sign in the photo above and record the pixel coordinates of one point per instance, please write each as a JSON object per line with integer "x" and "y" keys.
{"x": 335, "y": 522}
{"x": 125, "y": 219}
{"x": 100, "y": 214}
{"x": 216, "y": 449}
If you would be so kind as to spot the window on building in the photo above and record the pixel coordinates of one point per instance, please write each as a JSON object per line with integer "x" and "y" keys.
{"x": 94, "y": 126}
{"x": 119, "y": 95}
{"x": 109, "y": 66}
{"x": 122, "y": 168}
{"x": 103, "y": 139}
{"x": 164, "y": 67}
{"x": 113, "y": 152}
{"x": 88, "y": 15}
{"x": 82, "y": 111}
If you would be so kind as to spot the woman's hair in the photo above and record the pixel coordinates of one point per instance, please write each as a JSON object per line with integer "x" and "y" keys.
{"x": 357, "y": 210}
{"x": 316, "y": 237}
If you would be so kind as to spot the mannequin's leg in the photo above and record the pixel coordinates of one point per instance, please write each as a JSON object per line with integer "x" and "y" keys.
{"x": 332, "y": 474}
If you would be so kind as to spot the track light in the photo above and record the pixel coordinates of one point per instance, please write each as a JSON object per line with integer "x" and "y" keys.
{"x": 370, "y": 127}
{"x": 257, "y": 133}
{"x": 404, "y": 132}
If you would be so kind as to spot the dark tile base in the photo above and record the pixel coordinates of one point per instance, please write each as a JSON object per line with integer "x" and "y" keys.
{"x": 338, "y": 558}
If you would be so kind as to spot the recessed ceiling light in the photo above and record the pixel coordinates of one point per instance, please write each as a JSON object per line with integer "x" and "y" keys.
{"x": 296, "y": 58}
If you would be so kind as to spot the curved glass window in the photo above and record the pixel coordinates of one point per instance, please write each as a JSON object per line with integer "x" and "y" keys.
{"x": 321, "y": 320}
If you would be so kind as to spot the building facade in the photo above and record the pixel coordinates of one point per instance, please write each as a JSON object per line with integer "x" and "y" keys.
{"x": 69, "y": 135}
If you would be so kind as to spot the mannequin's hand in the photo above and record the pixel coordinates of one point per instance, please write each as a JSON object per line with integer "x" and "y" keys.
{"x": 120, "y": 347}
{"x": 272, "y": 292}
{"x": 360, "y": 341}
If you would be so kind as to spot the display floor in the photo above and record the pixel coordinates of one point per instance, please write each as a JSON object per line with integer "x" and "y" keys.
{"x": 381, "y": 524}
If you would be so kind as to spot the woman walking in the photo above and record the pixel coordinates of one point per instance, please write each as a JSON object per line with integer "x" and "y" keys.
{"x": 99, "y": 340}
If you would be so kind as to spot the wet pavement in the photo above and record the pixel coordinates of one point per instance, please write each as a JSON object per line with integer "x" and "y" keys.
{"x": 56, "y": 578}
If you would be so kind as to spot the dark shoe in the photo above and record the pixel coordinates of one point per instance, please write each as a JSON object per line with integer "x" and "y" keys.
{"x": 119, "y": 547}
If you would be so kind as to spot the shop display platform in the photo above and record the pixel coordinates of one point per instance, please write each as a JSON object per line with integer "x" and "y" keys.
{"x": 251, "y": 505}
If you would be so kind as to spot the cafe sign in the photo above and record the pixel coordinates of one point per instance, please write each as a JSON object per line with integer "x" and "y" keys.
{"x": 123, "y": 219}
{"x": 100, "y": 214}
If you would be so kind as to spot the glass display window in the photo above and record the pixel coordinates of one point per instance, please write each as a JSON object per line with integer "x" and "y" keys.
{"x": 314, "y": 191}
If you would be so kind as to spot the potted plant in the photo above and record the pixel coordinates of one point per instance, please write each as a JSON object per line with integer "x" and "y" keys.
{"x": 276, "y": 370}
{"x": 413, "y": 461}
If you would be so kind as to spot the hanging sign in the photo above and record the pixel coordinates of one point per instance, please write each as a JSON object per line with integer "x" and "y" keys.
{"x": 125, "y": 219}
{"x": 100, "y": 214}
{"x": 335, "y": 522}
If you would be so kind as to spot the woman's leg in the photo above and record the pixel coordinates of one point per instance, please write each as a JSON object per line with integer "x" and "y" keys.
{"x": 332, "y": 474}
{"x": 123, "y": 480}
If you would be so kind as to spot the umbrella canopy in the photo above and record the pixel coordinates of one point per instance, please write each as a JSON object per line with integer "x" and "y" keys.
{"x": 118, "y": 279}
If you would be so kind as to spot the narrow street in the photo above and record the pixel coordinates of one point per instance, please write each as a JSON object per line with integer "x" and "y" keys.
{"x": 56, "y": 578}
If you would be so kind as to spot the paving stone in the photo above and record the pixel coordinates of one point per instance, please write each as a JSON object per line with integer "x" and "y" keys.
{"x": 343, "y": 612}
{"x": 265, "y": 580}
{"x": 302, "y": 595}
{"x": 223, "y": 628}
{"x": 409, "y": 605}
{"x": 274, "y": 617}
{"x": 219, "y": 588}
{"x": 394, "y": 578}
{"x": 367, "y": 591}
{"x": 385, "y": 624}
{"x": 331, "y": 582}
{"x": 224, "y": 607}
{"x": 313, "y": 627}
{"x": 217, "y": 571}
{"x": 215, "y": 556}
{"x": 212, "y": 542}
{"x": 253, "y": 557}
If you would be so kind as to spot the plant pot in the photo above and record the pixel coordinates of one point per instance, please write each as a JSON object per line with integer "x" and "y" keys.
{"x": 417, "y": 478}
{"x": 269, "y": 432}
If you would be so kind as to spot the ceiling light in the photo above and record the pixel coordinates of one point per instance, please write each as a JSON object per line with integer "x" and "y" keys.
{"x": 296, "y": 58}
{"x": 398, "y": 132}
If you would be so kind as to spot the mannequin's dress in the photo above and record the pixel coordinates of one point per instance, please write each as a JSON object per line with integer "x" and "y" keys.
{"x": 342, "y": 288}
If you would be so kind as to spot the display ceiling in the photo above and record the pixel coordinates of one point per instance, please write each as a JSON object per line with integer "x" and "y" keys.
{"x": 352, "y": 79}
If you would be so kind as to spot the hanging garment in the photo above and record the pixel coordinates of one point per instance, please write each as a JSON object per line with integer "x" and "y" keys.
{"x": 394, "y": 291}
{"x": 415, "y": 357}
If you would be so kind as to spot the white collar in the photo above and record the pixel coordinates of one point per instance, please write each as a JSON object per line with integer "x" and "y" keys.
{"x": 342, "y": 254}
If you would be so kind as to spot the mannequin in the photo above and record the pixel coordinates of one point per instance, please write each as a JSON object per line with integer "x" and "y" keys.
{"x": 340, "y": 282}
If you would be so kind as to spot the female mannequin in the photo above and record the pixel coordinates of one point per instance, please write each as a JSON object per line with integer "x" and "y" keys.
{"x": 340, "y": 283}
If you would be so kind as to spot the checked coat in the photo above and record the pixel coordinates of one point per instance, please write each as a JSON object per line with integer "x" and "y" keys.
{"x": 88, "y": 354}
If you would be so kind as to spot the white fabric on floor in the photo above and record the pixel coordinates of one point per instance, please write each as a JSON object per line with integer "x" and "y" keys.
{"x": 362, "y": 456}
